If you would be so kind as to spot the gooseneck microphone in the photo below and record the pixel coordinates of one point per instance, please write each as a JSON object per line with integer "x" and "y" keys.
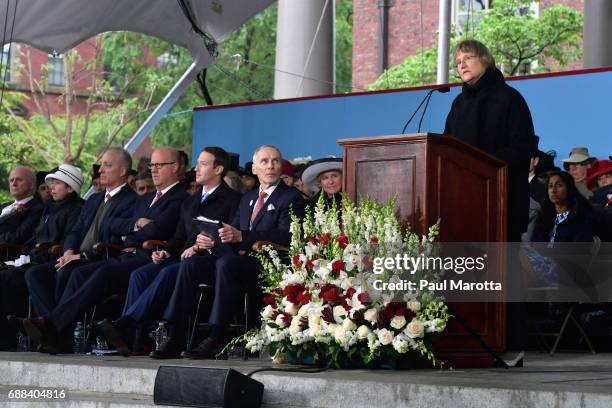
{"x": 427, "y": 97}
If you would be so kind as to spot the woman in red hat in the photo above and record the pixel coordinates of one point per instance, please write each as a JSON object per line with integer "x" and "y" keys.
{"x": 599, "y": 180}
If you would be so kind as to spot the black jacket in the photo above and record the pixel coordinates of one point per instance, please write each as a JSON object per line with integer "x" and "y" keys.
{"x": 221, "y": 205}
{"x": 57, "y": 220}
{"x": 495, "y": 118}
{"x": 602, "y": 213}
{"x": 577, "y": 227}
{"x": 327, "y": 201}
{"x": 18, "y": 227}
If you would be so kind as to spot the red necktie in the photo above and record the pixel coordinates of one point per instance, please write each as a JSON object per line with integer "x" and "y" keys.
{"x": 258, "y": 205}
{"x": 107, "y": 197}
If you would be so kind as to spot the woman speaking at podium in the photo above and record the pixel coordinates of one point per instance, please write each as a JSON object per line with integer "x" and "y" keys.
{"x": 494, "y": 117}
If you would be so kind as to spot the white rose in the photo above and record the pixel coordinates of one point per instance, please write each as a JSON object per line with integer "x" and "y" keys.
{"x": 398, "y": 322}
{"x": 414, "y": 305}
{"x": 415, "y": 329}
{"x": 314, "y": 329}
{"x": 268, "y": 312}
{"x": 339, "y": 334}
{"x": 303, "y": 312}
{"x": 339, "y": 313}
{"x": 291, "y": 308}
{"x": 280, "y": 321}
{"x": 348, "y": 325}
{"x": 385, "y": 337}
{"x": 363, "y": 331}
{"x": 314, "y": 320}
{"x": 295, "y": 326}
{"x": 371, "y": 315}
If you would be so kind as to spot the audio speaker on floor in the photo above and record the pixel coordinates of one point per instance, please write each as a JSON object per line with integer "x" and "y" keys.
{"x": 208, "y": 387}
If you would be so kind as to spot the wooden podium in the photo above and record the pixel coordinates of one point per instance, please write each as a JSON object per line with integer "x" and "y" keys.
{"x": 440, "y": 177}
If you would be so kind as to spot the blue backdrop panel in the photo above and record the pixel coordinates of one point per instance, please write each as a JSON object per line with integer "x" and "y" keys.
{"x": 568, "y": 110}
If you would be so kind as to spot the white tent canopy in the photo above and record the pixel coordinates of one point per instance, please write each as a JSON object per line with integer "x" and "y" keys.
{"x": 58, "y": 25}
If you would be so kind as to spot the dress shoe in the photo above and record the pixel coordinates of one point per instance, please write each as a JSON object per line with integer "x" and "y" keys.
{"x": 510, "y": 360}
{"x": 170, "y": 349}
{"x": 106, "y": 329}
{"x": 207, "y": 349}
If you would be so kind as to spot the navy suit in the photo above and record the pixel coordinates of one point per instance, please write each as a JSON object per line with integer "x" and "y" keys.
{"x": 232, "y": 275}
{"x": 92, "y": 282}
{"x": 18, "y": 227}
{"x": 151, "y": 285}
{"x": 45, "y": 284}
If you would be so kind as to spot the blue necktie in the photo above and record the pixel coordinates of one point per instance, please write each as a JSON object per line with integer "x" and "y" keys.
{"x": 205, "y": 197}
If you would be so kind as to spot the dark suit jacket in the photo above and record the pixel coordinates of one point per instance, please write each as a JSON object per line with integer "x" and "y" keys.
{"x": 164, "y": 215}
{"x": 119, "y": 204}
{"x": 274, "y": 219}
{"x": 18, "y": 227}
{"x": 221, "y": 205}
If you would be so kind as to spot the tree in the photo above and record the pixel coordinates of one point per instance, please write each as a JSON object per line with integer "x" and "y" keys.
{"x": 519, "y": 41}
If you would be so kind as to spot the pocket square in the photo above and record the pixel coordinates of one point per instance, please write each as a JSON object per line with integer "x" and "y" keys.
{"x": 271, "y": 207}
{"x": 251, "y": 203}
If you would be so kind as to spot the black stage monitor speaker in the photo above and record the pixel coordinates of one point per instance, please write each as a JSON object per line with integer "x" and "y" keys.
{"x": 206, "y": 387}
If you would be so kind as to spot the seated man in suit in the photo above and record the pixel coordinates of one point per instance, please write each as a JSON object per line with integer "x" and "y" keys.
{"x": 150, "y": 286}
{"x": 264, "y": 214}
{"x": 154, "y": 216}
{"x": 19, "y": 219}
{"x": 46, "y": 282}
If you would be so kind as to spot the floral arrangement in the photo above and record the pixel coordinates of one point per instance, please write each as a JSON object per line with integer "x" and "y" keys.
{"x": 323, "y": 307}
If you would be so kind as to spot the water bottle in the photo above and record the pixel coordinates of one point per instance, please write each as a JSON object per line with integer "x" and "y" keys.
{"x": 22, "y": 342}
{"x": 78, "y": 338}
{"x": 161, "y": 336}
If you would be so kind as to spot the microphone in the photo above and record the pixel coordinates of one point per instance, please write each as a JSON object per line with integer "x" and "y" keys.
{"x": 427, "y": 97}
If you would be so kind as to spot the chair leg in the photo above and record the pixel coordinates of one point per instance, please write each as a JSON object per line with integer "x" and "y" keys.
{"x": 246, "y": 324}
{"x": 583, "y": 334}
{"x": 563, "y": 326}
{"x": 195, "y": 321}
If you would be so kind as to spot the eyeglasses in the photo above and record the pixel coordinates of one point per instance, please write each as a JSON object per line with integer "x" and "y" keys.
{"x": 466, "y": 59}
{"x": 158, "y": 166}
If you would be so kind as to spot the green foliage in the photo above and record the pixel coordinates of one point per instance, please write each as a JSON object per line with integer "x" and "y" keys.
{"x": 515, "y": 36}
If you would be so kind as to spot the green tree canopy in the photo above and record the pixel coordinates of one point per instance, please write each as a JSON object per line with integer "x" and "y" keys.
{"x": 520, "y": 41}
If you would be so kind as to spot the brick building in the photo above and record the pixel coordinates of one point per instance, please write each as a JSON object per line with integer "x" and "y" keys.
{"x": 22, "y": 60}
{"x": 412, "y": 24}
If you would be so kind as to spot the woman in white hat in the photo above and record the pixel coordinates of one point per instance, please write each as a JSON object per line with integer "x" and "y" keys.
{"x": 326, "y": 175}
{"x": 57, "y": 220}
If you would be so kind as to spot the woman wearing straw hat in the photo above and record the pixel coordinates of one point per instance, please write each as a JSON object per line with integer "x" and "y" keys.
{"x": 58, "y": 217}
{"x": 578, "y": 164}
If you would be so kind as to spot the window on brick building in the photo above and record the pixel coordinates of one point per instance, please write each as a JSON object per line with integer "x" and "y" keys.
{"x": 6, "y": 61}
{"x": 56, "y": 70}
{"x": 462, "y": 10}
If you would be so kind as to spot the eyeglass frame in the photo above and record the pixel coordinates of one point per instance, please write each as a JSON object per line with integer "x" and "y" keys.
{"x": 465, "y": 59}
{"x": 158, "y": 166}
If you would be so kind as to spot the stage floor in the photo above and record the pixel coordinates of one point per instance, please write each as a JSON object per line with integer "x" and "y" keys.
{"x": 565, "y": 380}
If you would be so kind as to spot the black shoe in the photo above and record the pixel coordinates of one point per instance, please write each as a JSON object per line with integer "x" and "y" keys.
{"x": 106, "y": 329}
{"x": 170, "y": 349}
{"x": 207, "y": 349}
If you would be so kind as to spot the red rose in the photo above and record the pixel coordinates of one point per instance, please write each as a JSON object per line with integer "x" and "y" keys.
{"x": 270, "y": 299}
{"x": 309, "y": 264}
{"x": 343, "y": 241}
{"x": 325, "y": 238}
{"x": 374, "y": 241}
{"x": 291, "y": 291}
{"x": 328, "y": 315}
{"x": 286, "y": 318}
{"x": 392, "y": 309}
{"x": 314, "y": 240}
{"x": 296, "y": 261}
{"x": 303, "y": 297}
{"x": 337, "y": 265}
{"x": 364, "y": 298}
{"x": 329, "y": 293}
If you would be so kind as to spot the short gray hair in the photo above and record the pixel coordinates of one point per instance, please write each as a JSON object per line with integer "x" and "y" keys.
{"x": 29, "y": 172}
{"x": 264, "y": 147}
{"x": 124, "y": 157}
{"x": 478, "y": 49}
